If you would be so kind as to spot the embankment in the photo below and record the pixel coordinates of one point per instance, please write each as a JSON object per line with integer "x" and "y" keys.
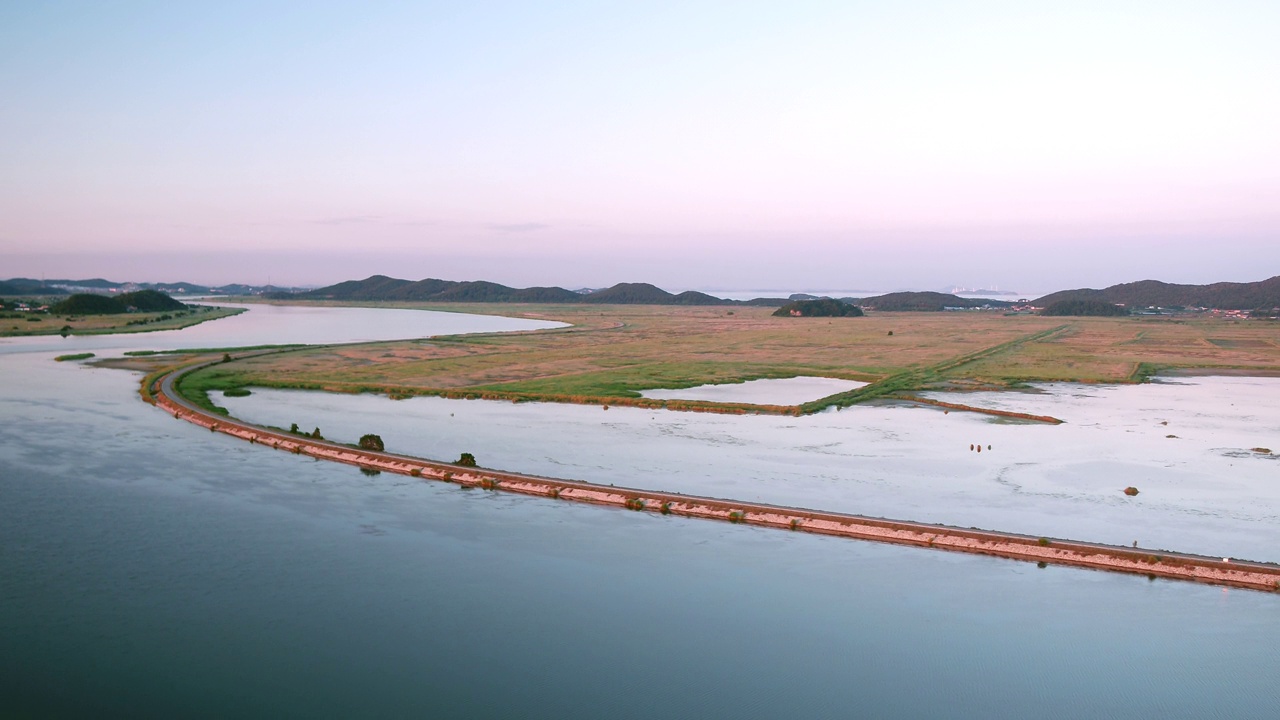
{"x": 985, "y": 411}
{"x": 1257, "y": 576}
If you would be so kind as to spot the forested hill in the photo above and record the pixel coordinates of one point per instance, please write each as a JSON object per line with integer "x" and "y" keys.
{"x": 140, "y": 301}
{"x": 1148, "y": 293}
{"x": 381, "y": 287}
{"x": 926, "y": 302}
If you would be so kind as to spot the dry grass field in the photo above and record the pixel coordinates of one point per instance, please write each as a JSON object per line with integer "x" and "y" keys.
{"x": 612, "y": 352}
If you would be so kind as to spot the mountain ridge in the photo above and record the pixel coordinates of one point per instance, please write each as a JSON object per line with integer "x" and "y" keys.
{"x": 1149, "y": 293}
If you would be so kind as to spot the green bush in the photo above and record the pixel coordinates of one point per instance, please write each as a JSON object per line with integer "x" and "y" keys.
{"x": 371, "y": 442}
{"x": 466, "y": 460}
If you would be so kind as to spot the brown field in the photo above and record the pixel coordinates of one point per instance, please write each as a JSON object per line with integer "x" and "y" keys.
{"x": 614, "y": 351}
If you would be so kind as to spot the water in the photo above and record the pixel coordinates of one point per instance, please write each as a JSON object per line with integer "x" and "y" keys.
{"x": 285, "y": 325}
{"x": 780, "y": 391}
{"x": 152, "y": 569}
{"x": 1202, "y": 491}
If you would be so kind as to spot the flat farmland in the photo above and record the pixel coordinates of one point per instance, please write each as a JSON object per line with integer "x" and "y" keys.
{"x": 610, "y": 353}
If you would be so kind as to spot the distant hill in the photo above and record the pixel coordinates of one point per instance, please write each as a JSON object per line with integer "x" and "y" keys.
{"x": 765, "y": 302}
{"x": 822, "y": 307}
{"x": 26, "y": 286}
{"x": 149, "y": 301}
{"x": 1149, "y": 293}
{"x": 88, "y": 304}
{"x": 545, "y": 295}
{"x": 381, "y": 287}
{"x": 94, "y": 304}
{"x": 95, "y": 283}
{"x": 693, "y": 297}
{"x": 926, "y": 302}
{"x": 630, "y": 294}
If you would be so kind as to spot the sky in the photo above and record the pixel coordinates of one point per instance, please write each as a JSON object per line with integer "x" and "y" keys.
{"x": 710, "y": 145}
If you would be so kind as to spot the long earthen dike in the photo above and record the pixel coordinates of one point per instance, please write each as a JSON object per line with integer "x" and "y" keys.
{"x": 1152, "y": 563}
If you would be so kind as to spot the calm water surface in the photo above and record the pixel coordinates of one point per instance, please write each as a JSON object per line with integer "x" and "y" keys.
{"x": 1202, "y": 490}
{"x": 152, "y": 569}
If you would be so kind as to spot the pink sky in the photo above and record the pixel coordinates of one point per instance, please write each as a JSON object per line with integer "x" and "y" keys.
{"x": 859, "y": 145}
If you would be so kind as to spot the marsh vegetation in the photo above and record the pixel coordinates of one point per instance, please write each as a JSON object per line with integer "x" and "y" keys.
{"x": 612, "y": 353}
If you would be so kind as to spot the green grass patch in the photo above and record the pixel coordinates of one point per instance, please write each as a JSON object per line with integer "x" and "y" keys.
{"x": 195, "y": 386}
{"x": 75, "y": 356}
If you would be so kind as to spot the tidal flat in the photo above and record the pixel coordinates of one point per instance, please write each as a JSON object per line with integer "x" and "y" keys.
{"x": 1204, "y": 490}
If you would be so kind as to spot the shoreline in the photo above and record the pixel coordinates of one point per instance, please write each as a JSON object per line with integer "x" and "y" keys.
{"x": 157, "y": 389}
{"x": 218, "y": 313}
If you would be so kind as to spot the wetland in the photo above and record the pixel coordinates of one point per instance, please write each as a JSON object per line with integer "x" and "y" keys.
{"x": 163, "y": 570}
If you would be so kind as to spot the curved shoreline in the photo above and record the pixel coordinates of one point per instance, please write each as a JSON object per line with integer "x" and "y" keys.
{"x": 1181, "y": 566}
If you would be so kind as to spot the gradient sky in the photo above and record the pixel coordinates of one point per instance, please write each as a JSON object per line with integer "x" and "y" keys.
{"x": 716, "y": 145}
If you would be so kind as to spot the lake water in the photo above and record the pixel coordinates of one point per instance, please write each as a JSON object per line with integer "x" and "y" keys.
{"x": 152, "y": 569}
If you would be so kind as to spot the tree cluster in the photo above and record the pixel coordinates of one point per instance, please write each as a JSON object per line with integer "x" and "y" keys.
{"x": 1094, "y": 308}
{"x": 823, "y": 307}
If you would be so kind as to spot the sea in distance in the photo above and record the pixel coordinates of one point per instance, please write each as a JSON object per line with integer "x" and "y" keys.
{"x": 149, "y": 568}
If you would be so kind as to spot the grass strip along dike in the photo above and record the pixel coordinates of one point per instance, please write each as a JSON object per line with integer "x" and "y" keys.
{"x": 1220, "y": 571}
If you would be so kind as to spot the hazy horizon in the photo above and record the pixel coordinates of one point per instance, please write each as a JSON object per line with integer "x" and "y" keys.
{"x": 692, "y": 145}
